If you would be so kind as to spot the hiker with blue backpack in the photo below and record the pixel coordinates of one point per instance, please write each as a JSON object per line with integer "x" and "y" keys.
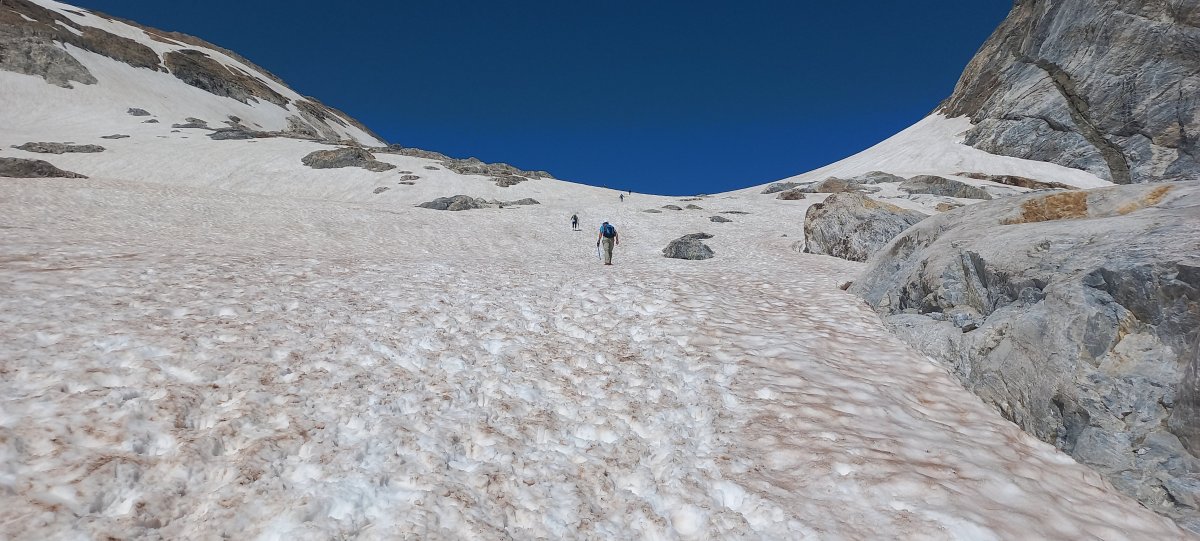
{"x": 608, "y": 238}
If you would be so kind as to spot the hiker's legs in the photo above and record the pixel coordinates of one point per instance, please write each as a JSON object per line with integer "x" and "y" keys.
{"x": 608, "y": 248}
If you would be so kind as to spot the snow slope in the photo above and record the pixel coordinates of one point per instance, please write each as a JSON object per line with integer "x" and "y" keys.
{"x": 934, "y": 146}
{"x": 208, "y": 340}
{"x": 185, "y": 362}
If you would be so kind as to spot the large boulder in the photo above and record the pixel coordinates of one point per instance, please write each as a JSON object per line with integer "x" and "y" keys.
{"x": 794, "y": 194}
{"x": 935, "y": 185}
{"x": 839, "y": 185}
{"x": 455, "y": 203}
{"x": 22, "y": 168}
{"x": 345, "y": 157}
{"x": 689, "y": 247}
{"x": 853, "y": 226}
{"x": 1107, "y": 87}
{"x": 776, "y": 187}
{"x": 1076, "y": 315}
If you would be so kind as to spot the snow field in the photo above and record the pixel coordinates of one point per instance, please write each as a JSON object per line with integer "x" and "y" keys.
{"x": 188, "y": 363}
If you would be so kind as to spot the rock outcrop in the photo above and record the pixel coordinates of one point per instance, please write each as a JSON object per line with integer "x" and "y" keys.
{"x": 59, "y": 148}
{"x": 22, "y": 168}
{"x": 794, "y": 194}
{"x": 455, "y": 203}
{"x": 1107, "y": 87}
{"x": 1076, "y": 315}
{"x": 853, "y": 226}
{"x": 776, "y": 187}
{"x": 345, "y": 157}
{"x": 1019, "y": 182}
{"x": 839, "y": 185}
{"x": 689, "y": 247}
{"x": 719, "y": 219}
{"x": 935, "y": 185}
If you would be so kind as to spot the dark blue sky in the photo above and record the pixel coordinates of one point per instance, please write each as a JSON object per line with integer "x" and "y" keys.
{"x": 659, "y": 97}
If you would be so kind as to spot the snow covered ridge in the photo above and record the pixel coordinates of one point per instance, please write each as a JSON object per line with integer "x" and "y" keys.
{"x": 75, "y": 49}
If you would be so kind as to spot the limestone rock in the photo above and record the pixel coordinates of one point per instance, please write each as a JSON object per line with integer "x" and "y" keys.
{"x": 853, "y": 226}
{"x": 672, "y": 207}
{"x": 345, "y": 157}
{"x": 935, "y": 185}
{"x": 455, "y": 203}
{"x": 719, "y": 219}
{"x": 1103, "y": 87}
{"x": 59, "y": 148}
{"x": 115, "y": 136}
{"x": 1075, "y": 314}
{"x": 134, "y": 111}
{"x": 198, "y": 69}
{"x": 793, "y": 194}
{"x": 22, "y": 168}
{"x": 505, "y": 181}
{"x": 689, "y": 247}
{"x": 777, "y": 187}
{"x": 838, "y": 185}
{"x": 694, "y": 207}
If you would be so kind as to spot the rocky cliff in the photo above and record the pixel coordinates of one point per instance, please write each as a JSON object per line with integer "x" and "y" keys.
{"x": 1077, "y": 315}
{"x": 1106, "y": 86}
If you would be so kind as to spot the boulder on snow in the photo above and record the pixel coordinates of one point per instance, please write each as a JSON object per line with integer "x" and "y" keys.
{"x": 345, "y": 157}
{"x": 719, "y": 219}
{"x": 134, "y": 111}
{"x": 689, "y": 247}
{"x": 409, "y": 178}
{"x": 838, "y": 185}
{"x": 520, "y": 202}
{"x": 876, "y": 177}
{"x": 193, "y": 123}
{"x": 653, "y": 211}
{"x": 505, "y": 181}
{"x": 935, "y": 185}
{"x": 1076, "y": 314}
{"x": 853, "y": 226}
{"x": 734, "y": 212}
{"x": 115, "y": 136}
{"x": 58, "y": 148}
{"x": 794, "y": 194}
{"x": 672, "y": 207}
{"x": 694, "y": 207}
{"x": 22, "y": 168}
{"x": 455, "y": 203}
{"x": 776, "y": 187}
{"x": 224, "y": 134}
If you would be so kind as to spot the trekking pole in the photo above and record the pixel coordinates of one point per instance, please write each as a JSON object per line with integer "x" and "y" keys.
{"x": 598, "y": 258}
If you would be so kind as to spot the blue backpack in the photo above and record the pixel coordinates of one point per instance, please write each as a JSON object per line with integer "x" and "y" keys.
{"x": 608, "y": 231}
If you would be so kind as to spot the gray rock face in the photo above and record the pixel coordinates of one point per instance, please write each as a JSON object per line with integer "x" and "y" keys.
{"x": 777, "y": 187}
{"x": 59, "y": 148}
{"x": 455, "y": 203}
{"x": 1076, "y": 315}
{"x": 853, "y": 226}
{"x": 1108, "y": 87}
{"x": 719, "y": 219}
{"x": 793, "y": 194}
{"x": 935, "y": 185}
{"x": 22, "y": 168}
{"x": 689, "y": 247}
{"x": 345, "y": 157}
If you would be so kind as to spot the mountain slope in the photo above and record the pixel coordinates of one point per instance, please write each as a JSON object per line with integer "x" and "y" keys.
{"x": 81, "y": 68}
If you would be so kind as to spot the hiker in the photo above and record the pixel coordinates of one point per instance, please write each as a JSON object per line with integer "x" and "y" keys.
{"x": 574, "y": 222}
{"x": 609, "y": 238}
{"x": 622, "y": 198}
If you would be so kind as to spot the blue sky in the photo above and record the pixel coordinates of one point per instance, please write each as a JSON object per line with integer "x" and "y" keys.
{"x": 658, "y": 97}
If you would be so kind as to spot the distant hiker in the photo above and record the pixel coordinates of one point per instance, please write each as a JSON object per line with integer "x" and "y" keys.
{"x": 574, "y": 222}
{"x": 609, "y": 238}
{"x": 622, "y": 198}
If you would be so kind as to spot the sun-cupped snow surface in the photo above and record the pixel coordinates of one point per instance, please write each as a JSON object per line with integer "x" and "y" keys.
{"x": 183, "y": 362}
{"x": 933, "y": 146}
